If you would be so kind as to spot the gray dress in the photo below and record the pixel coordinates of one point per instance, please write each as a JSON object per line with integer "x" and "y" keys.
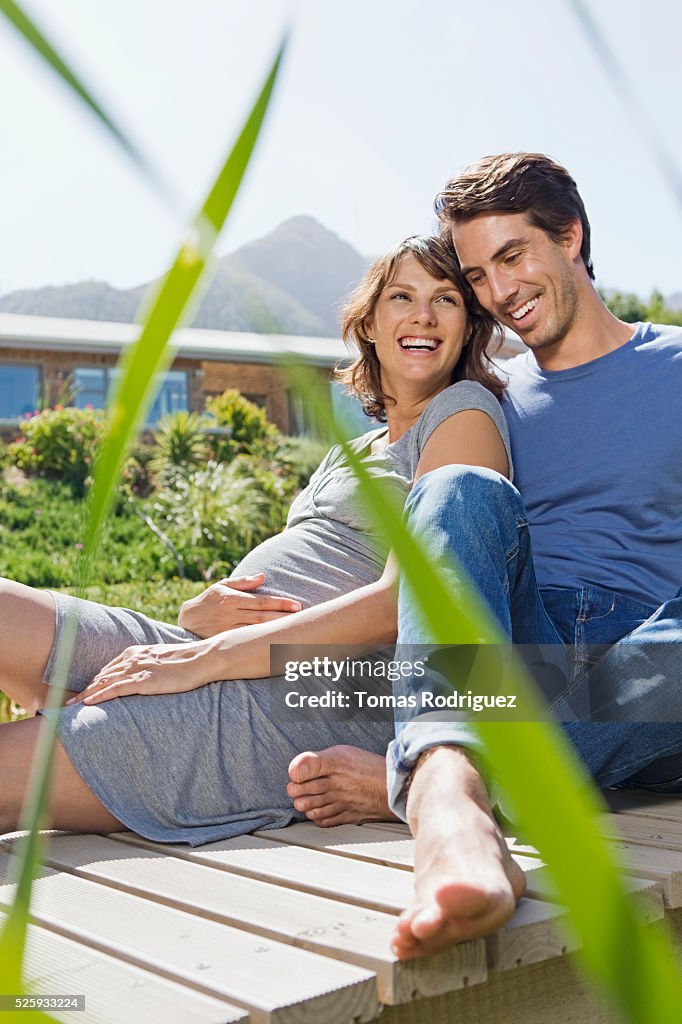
{"x": 212, "y": 763}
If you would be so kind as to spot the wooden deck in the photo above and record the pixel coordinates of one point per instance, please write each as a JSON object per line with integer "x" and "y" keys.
{"x": 293, "y": 926}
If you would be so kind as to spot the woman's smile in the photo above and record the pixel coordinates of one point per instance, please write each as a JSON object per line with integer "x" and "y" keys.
{"x": 419, "y": 328}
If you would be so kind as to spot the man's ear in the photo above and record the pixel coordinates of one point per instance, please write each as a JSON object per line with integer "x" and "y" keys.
{"x": 573, "y": 238}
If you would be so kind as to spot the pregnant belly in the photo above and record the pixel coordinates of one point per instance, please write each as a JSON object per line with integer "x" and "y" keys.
{"x": 310, "y": 566}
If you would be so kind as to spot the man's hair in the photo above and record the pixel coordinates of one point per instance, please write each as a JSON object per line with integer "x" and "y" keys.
{"x": 437, "y": 256}
{"x": 517, "y": 183}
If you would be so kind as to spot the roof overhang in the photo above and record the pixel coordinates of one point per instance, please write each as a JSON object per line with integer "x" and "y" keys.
{"x": 60, "y": 334}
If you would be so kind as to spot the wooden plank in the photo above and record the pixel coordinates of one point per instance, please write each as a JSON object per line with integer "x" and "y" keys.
{"x": 661, "y": 865}
{"x": 278, "y": 984}
{"x": 644, "y": 831}
{"x": 370, "y": 885}
{"x": 365, "y": 842}
{"x": 647, "y": 805}
{"x": 398, "y": 828}
{"x": 533, "y": 934}
{"x": 530, "y": 936}
{"x": 648, "y": 862}
{"x": 551, "y": 992}
{"x": 646, "y": 892}
{"x": 345, "y": 932}
{"x": 363, "y": 883}
{"x": 115, "y": 992}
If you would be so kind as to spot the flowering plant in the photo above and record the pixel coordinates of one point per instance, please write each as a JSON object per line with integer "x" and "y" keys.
{"x": 59, "y": 442}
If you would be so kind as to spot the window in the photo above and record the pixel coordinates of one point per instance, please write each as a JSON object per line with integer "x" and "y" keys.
{"x": 348, "y": 411}
{"x": 172, "y": 396}
{"x": 260, "y": 400}
{"x": 93, "y": 385}
{"x": 19, "y": 390}
{"x": 90, "y": 387}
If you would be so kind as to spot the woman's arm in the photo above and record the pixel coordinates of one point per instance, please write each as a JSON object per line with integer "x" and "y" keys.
{"x": 366, "y": 616}
{"x": 469, "y": 438}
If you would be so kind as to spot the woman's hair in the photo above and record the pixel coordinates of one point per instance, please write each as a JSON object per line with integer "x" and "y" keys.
{"x": 363, "y": 377}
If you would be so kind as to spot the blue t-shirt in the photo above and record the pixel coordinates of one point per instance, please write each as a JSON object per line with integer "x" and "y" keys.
{"x": 598, "y": 462}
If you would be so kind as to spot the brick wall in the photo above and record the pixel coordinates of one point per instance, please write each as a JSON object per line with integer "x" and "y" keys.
{"x": 257, "y": 381}
{"x": 260, "y": 382}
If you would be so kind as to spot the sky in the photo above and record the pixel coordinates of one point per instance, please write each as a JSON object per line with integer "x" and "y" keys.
{"x": 378, "y": 103}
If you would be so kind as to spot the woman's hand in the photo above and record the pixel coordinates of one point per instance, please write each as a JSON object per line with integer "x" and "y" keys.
{"x": 149, "y": 669}
{"x": 228, "y": 604}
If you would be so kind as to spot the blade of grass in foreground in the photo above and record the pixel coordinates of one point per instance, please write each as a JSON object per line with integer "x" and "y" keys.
{"x": 140, "y": 365}
{"x": 150, "y": 354}
{"x": 28, "y": 29}
{"x": 625, "y": 90}
{"x": 555, "y": 802}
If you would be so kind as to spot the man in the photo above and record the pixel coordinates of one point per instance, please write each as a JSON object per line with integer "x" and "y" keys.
{"x": 592, "y": 408}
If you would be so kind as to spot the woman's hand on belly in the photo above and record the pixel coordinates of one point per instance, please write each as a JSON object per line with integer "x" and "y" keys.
{"x": 229, "y": 604}
{"x": 150, "y": 669}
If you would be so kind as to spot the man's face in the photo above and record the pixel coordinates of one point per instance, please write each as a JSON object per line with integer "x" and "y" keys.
{"x": 520, "y": 275}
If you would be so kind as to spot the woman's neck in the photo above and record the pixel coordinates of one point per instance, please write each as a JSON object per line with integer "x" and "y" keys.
{"x": 403, "y": 415}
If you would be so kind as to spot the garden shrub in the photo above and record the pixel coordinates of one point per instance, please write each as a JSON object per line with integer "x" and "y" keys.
{"x": 244, "y": 428}
{"x": 298, "y": 458}
{"x": 272, "y": 480}
{"x": 60, "y": 443}
{"x": 137, "y": 478}
{"x": 212, "y": 517}
{"x": 181, "y": 444}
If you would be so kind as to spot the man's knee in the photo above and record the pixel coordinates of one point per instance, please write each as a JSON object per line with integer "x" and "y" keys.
{"x": 462, "y": 492}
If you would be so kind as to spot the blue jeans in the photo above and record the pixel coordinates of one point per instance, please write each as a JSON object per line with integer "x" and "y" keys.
{"x": 618, "y": 656}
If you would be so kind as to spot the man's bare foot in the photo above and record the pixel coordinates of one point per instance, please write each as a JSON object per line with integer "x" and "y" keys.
{"x": 466, "y": 884}
{"x": 340, "y": 786}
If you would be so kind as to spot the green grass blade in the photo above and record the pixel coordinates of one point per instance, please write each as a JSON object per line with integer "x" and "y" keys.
{"x": 634, "y": 966}
{"x": 554, "y": 800}
{"x": 625, "y": 90}
{"x": 28, "y": 29}
{"x": 151, "y": 354}
{"x": 132, "y": 398}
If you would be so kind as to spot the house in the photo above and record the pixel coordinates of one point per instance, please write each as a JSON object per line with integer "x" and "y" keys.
{"x": 45, "y": 361}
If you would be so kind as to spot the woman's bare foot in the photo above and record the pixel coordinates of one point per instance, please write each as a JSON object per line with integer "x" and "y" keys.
{"x": 340, "y": 786}
{"x": 466, "y": 884}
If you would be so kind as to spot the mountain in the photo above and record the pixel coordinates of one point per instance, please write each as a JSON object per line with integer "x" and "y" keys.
{"x": 306, "y": 261}
{"x": 291, "y": 281}
{"x": 87, "y": 300}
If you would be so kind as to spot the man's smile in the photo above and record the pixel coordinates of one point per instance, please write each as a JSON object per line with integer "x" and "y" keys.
{"x": 523, "y": 311}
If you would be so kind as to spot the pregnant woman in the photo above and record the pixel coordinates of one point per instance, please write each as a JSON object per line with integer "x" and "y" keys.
{"x": 169, "y": 730}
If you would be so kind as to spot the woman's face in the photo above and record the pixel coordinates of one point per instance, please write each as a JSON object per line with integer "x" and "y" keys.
{"x": 419, "y": 327}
